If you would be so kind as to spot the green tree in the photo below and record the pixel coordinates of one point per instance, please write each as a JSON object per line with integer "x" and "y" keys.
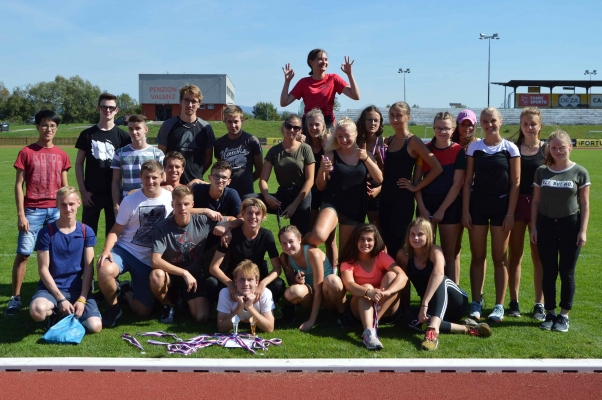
{"x": 265, "y": 111}
{"x": 128, "y": 105}
{"x": 285, "y": 114}
{"x": 337, "y": 105}
{"x": 18, "y": 107}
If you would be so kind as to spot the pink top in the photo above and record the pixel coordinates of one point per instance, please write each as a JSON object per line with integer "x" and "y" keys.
{"x": 319, "y": 94}
{"x": 382, "y": 262}
{"x": 43, "y": 168}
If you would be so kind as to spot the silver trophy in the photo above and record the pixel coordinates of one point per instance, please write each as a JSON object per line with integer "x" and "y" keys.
{"x": 235, "y": 321}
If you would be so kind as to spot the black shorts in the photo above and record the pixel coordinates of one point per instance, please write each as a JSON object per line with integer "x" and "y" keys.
{"x": 453, "y": 214}
{"x": 344, "y": 219}
{"x": 488, "y": 210}
{"x": 316, "y": 198}
{"x": 177, "y": 284}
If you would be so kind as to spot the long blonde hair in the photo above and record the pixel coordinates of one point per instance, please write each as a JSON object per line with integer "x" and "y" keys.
{"x": 560, "y": 135}
{"x": 408, "y": 250}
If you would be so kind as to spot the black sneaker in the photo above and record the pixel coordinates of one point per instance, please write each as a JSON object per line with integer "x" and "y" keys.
{"x": 166, "y": 314}
{"x": 539, "y": 313}
{"x": 288, "y": 313}
{"x": 52, "y": 320}
{"x": 124, "y": 287}
{"x": 513, "y": 309}
{"x": 111, "y": 316}
{"x": 14, "y": 305}
{"x": 561, "y": 324}
{"x": 549, "y": 322}
{"x": 345, "y": 321}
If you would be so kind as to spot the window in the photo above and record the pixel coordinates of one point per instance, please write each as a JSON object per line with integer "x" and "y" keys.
{"x": 202, "y": 107}
{"x": 210, "y": 106}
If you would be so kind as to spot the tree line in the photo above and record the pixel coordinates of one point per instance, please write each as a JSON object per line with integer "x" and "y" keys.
{"x": 73, "y": 99}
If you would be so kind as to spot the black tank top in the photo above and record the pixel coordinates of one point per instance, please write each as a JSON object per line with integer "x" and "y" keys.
{"x": 528, "y": 165}
{"x": 398, "y": 164}
{"x": 318, "y": 158}
{"x": 346, "y": 190}
{"x": 420, "y": 277}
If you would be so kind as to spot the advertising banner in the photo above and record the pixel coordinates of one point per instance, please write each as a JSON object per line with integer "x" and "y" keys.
{"x": 533, "y": 100}
{"x": 569, "y": 100}
{"x": 589, "y": 143}
{"x": 595, "y": 100}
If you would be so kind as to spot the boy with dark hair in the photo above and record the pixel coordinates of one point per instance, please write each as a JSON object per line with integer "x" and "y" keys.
{"x": 96, "y": 147}
{"x": 241, "y": 150}
{"x": 42, "y": 167}
{"x": 128, "y": 160}
{"x": 66, "y": 266}
{"x": 174, "y": 163}
{"x": 177, "y": 258}
{"x": 189, "y": 135}
{"x": 216, "y": 199}
{"x": 128, "y": 245}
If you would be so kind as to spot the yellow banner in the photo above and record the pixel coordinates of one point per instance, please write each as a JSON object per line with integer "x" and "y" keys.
{"x": 589, "y": 143}
{"x": 273, "y": 141}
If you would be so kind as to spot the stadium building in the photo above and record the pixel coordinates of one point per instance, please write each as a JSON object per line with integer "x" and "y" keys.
{"x": 160, "y": 97}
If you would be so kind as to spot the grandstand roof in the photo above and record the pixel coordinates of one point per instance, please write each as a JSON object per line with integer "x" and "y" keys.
{"x": 587, "y": 84}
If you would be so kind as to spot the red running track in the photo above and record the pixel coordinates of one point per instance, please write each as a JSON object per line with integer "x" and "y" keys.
{"x": 448, "y": 386}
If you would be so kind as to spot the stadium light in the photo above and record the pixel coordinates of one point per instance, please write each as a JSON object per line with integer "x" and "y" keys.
{"x": 401, "y": 71}
{"x": 488, "y": 38}
{"x": 590, "y": 73}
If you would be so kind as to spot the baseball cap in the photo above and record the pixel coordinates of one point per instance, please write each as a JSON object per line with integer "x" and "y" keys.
{"x": 466, "y": 114}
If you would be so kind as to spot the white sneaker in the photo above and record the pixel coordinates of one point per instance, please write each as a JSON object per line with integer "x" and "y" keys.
{"x": 371, "y": 340}
{"x": 497, "y": 315}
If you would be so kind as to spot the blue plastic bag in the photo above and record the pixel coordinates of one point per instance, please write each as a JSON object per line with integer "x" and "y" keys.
{"x": 67, "y": 331}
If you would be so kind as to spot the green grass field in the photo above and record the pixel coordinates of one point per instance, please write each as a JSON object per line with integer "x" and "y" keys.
{"x": 514, "y": 338}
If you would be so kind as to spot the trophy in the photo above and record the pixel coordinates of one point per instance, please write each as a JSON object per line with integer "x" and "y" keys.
{"x": 235, "y": 321}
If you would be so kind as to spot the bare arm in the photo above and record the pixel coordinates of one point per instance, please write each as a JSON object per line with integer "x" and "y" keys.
{"x": 352, "y": 91}
{"x": 324, "y": 170}
{"x": 109, "y": 243}
{"x": 22, "y": 222}
{"x": 305, "y": 189}
{"x": 452, "y": 195}
{"x": 258, "y": 165}
{"x": 424, "y": 213}
{"x": 466, "y": 219}
{"x": 79, "y": 176}
{"x": 285, "y": 97}
{"x": 584, "y": 210}
{"x": 65, "y": 307}
{"x": 64, "y": 179}
{"x": 157, "y": 262}
{"x": 508, "y": 223}
{"x": 116, "y": 189}
{"x": 419, "y": 149}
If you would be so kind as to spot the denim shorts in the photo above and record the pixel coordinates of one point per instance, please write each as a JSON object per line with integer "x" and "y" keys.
{"x": 37, "y": 218}
{"x": 90, "y": 310}
{"x": 139, "y": 271}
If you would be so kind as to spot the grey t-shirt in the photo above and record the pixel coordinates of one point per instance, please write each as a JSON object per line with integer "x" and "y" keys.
{"x": 290, "y": 167}
{"x": 239, "y": 153}
{"x": 560, "y": 190}
{"x": 183, "y": 247}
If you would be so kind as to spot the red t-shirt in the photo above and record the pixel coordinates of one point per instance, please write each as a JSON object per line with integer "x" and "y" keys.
{"x": 382, "y": 262}
{"x": 43, "y": 168}
{"x": 319, "y": 94}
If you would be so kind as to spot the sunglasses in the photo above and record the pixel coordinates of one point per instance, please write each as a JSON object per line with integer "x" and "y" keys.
{"x": 292, "y": 127}
{"x": 108, "y": 108}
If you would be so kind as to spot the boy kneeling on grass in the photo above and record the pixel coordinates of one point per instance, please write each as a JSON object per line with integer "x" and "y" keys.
{"x": 243, "y": 304}
{"x": 66, "y": 266}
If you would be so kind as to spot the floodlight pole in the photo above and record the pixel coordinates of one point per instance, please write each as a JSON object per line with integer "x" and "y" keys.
{"x": 590, "y": 73}
{"x": 401, "y": 71}
{"x": 494, "y": 36}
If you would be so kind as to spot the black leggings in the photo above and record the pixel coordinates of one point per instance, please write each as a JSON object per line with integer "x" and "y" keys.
{"x": 449, "y": 302}
{"x": 558, "y": 250}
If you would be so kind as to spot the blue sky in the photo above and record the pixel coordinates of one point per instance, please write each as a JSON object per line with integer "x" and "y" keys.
{"x": 110, "y": 42}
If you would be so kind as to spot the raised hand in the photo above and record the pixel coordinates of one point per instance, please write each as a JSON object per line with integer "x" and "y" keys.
{"x": 362, "y": 154}
{"x": 346, "y": 66}
{"x": 289, "y": 73}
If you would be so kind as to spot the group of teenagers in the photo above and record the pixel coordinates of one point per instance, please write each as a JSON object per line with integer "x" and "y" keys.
{"x": 194, "y": 243}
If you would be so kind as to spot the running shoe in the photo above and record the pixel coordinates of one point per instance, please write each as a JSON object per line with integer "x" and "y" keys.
{"x": 371, "y": 340}
{"x": 513, "y": 309}
{"x": 538, "y": 312}
{"x": 475, "y": 310}
{"x": 109, "y": 319}
{"x": 52, "y": 319}
{"x": 166, "y": 314}
{"x": 497, "y": 315}
{"x": 561, "y": 324}
{"x": 431, "y": 340}
{"x": 549, "y": 321}
{"x": 123, "y": 288}
{"x": 14, "y": 305}
{"x": 474, "y": 328}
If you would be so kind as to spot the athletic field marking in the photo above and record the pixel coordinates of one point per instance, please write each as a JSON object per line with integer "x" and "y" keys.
{"x": 91, "y": 364}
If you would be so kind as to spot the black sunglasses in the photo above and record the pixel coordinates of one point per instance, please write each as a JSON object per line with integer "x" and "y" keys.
{"x": 108, "y": 108}
{"x": 294, "y": 128}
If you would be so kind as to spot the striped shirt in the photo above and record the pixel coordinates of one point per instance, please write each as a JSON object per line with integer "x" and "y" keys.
{"x": 129, "y": 161}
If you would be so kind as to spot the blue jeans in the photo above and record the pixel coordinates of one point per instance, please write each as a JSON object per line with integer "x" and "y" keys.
{"x": 139, "y": 271}
{"x": 37, "y": 218}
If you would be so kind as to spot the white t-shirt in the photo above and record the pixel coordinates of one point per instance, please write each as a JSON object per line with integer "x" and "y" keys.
{"x": 140, "y": 215}
{"x": 226, "y": 305}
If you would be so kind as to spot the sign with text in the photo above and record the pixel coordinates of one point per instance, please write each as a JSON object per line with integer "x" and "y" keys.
{"x": 589, "y": 143}
{"x": 531, "y": 99}
{"x": 595, "y": 100}
{"x": 569, "y": 100}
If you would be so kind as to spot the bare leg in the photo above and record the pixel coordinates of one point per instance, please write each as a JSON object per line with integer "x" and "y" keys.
{"x": 499, "y": 246}
{"x": 327, "y": 221}
{"x": 537, "y": 273}
{"x": 159, "y": 284}
{"x": 199, "y": 309}
{"x": 448, "y": 235}
{"x": 299, "y": 295}
{"x": 107, "y": 274}
{"x": 516, "y": 247}
{"x": 478, "y": 248}
{"x": 19, "y": 269}
{"x": 333, "y": 293}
